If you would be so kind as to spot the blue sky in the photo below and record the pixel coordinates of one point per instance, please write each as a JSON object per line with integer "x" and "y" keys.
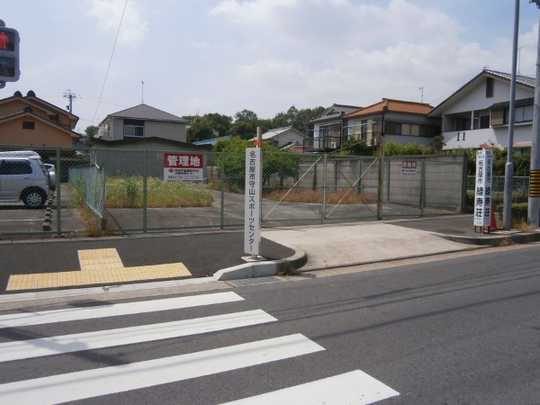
{"x": 199, "y": 56}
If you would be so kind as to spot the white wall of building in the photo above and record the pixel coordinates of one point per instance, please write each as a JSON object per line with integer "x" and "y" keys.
{"x": 291, "y": 136}
{"x": 474, "y": 139}
{"x": 112, "y": 129}
{"x": 475, "y": 98}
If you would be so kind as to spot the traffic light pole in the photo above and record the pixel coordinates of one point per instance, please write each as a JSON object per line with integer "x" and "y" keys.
{"x": 2, "y": 84}
{"x": 509, "y": 169}
{"x": 534, "y": 177}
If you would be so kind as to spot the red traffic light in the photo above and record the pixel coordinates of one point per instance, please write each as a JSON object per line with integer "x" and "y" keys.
{"x": 7, "y": 40}
{"x": 4, "y": 40}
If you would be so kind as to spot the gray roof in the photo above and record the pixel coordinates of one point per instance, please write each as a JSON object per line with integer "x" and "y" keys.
{"x": 335, "y": 111}
{"x": 521, "y": 79}
{"x": 146, "y": 112}
{"x": 277, "y": 131}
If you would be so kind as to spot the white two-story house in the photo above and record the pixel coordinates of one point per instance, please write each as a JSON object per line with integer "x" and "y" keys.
{"x": 142, "y": 122}
{"x": 476, "y": 114}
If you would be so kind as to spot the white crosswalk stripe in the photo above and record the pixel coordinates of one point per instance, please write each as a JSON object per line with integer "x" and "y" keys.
{"x": 26, "y": 349}
{"x": 353, "y": 387}
{"x": 110, "y": 310}
{"x": 109, "y": 380}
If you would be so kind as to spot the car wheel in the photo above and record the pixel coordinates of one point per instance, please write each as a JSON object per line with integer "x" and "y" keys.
{"x": 34, "y": 198}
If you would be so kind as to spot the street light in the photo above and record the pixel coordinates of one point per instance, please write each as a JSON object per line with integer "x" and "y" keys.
{"x": 534, "y": 176}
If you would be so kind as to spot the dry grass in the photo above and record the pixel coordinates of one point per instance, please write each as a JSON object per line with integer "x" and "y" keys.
{"x": 128, "y": 193}
{"x": 523, "y": 226}
{"x": 314, "y": 196}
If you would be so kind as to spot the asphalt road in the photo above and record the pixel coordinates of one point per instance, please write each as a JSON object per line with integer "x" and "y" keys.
{"x": 459, "y": 331}
{"x": 203, "y": 254}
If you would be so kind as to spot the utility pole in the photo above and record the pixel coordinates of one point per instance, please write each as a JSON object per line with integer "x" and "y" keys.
{"x": 509, "y": 169}
{"x": 534, "y": 176}
{"x": 142, "y": 91}
{"x": 70, "y": 96}
{"x": 421, "y": 89}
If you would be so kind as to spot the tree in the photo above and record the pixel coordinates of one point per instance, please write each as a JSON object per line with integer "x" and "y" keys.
{"x": 299, "y": 119}
{"x": 91, "y": 131}
{"x": 230, "y": 158}
{"x": 209, "y": 126}
{"x": 245, "y": 124}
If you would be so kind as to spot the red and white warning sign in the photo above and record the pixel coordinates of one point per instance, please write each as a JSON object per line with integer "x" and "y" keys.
{"x": 183, "y": 167}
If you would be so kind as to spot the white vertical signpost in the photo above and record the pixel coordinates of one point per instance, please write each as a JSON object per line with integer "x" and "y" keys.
{"x": 483, "y": 189}
{"x": 252, "y": 203}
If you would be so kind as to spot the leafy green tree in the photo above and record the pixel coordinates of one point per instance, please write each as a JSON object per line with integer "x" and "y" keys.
{"x": 230, "y": 158}
{"x": 91, "y": 131}
{"x": 245, "y": 124}
{"x": 209, "y": 126}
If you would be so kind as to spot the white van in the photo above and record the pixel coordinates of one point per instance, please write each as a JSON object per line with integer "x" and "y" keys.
{"x": 23, "y": 179}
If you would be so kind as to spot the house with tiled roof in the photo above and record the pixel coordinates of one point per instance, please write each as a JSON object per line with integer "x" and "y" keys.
{"x": 33, "y": 122}
{"x": 397, "y": 121}
{"x": 476, "y": 114}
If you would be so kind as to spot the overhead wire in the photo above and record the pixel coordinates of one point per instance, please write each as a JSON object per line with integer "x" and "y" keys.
{"x": 100, "y": 98}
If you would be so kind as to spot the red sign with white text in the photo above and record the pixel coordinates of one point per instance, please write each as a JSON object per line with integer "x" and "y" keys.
{"x": 183, "y": 160}
{"x": 183, "y": 167}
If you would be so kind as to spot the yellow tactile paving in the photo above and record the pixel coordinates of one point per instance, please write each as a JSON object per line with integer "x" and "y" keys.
{"x": 96, "y": 259}
{"x": 94, "y": 273}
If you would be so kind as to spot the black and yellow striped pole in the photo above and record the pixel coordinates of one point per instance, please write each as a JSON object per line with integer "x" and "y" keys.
{"x": 533, "y": 216}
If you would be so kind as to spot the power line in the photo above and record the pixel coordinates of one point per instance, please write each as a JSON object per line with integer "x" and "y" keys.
{"x": 110, "y": 60}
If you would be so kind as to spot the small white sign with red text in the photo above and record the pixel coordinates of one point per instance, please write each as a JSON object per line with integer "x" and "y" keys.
{"x": 183, "y": 167}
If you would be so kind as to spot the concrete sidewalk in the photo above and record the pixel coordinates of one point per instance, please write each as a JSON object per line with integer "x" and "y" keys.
{"x": 329, "y": 246}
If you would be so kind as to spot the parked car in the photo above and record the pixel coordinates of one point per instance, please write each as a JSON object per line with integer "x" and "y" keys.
{"x": 30, "y": 154}
{"x": 52, "y": 175}
{"x": 23, "y": 179}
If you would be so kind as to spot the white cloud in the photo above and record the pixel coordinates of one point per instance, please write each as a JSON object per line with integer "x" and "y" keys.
{"x": 108, "y": 13}
{"x": 310, "y": 52}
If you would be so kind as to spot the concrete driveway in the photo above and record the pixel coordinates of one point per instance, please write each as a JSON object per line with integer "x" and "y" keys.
{"x": 334, "y": 246}
{"x": 233, "y": 214}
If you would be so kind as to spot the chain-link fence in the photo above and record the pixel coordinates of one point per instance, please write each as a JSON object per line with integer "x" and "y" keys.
{"x": 117, "y": 191}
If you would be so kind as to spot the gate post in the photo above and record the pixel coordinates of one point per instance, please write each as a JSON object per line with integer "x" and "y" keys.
{"x": 422, "y": 201}
{"x": 145, "y": 192}
{"x": 58, "y": 186}
{"x": 380, "y": 185}
{"x": 323, "y": 188}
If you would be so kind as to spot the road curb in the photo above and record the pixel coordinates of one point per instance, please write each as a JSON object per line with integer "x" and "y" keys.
{"x": 266, "y": 268}
{"x": 495, "y": 240}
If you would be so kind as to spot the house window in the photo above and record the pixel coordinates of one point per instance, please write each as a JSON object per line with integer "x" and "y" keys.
{"x": 481, "y": 119}
{"x": 134, "y": 128}
{"x": 521, "y": 114}
{"x": 393, "y": 128}
{"x": 410, "y": 129}
{"x": 524, "y": 114}
{"x": 28, "y": 125}
{"x": 363, "y": 129}
{"x": 489, "y": 87}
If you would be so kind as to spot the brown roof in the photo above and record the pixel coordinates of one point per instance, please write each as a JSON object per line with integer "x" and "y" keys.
{"x": 15, "y": 115}
{"x": 388, "y": 104}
